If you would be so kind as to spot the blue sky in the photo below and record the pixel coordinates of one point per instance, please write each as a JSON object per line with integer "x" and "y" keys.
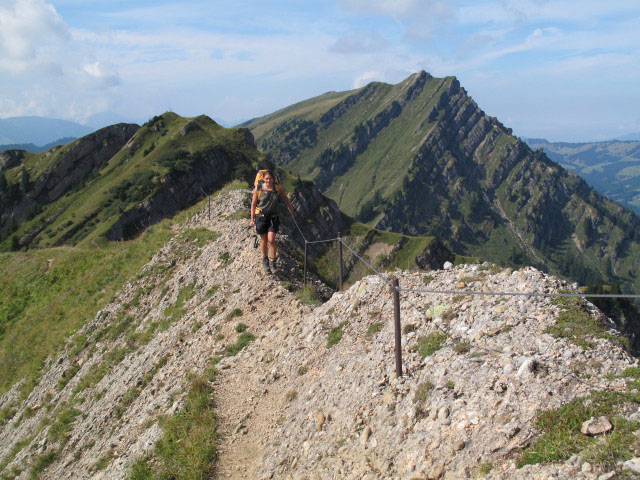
{"x": 558, "y": 69}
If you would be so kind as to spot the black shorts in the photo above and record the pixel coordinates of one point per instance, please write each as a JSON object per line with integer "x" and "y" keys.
{"x": 267, "y": 223}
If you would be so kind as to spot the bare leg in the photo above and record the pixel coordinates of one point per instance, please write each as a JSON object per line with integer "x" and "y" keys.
{"x": 263, "y": 245}
{"x": 272, "y": 244}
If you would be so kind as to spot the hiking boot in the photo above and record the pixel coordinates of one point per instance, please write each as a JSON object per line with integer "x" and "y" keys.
{"x": 272, "y": 266}
{"x": 265, "y": 265}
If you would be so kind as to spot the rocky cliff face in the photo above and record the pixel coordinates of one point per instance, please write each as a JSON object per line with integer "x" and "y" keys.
{"x": 421, "y": 158}
{"x": 79, "y": 160}
{"x": 10, "y": 159}
{"x": 315, "y": 394}
{"x": 317, "y": 216}
{"x": 67, "y": 169}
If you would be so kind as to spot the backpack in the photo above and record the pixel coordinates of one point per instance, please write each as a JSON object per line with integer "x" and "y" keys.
{"x": 258, "y": 183}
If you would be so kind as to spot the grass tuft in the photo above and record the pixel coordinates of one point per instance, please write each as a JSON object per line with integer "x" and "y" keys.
{"x": 430, "y": 344}
{"x": 307, "y": 296}
{"x": 463, "y": 346}
{"x": 335, "y": 335}
{"x": 60, "y": 428}
{"x": 422, "y": 392}
{"x": 577, "y": 325}
{"x": 373, "y": 329}
{"x": 236, "y": 312}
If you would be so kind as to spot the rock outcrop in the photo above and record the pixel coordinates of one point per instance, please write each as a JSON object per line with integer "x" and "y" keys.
{"x": 75, "y": 163}
{"x": 10, "y": 159}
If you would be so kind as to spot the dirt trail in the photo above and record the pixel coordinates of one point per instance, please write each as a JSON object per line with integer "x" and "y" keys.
{"x": 247, "y": 411}
{"x": 250, "y": 391}
{"x": 248, "y": 400}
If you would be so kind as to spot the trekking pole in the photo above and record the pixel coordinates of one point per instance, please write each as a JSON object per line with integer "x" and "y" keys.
{"x": 304, "y": 277}
{"x": 396, "y": 326}
{"x": 340, "y": 272}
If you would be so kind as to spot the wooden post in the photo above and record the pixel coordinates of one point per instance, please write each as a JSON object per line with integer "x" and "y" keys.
{"x": 396, "y": 326}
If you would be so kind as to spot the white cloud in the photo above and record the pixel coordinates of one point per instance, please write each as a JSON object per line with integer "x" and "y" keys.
{"x": 519, "y": 11}
{"x": 97, "y": 71}
{"x": 44, "y": 70}
{"x": 30, "y": 30}
{"x": 366, "y": 77}
{"x": 364, "y": 42}
{"x": 418, "y": 18}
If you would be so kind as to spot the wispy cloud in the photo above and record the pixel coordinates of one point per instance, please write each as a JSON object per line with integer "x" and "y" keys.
{"x": 363, "y": 42}
{"x": 248, "y": 58}
{"x": 29, "y": 31}
{"x": 43, "y": 69}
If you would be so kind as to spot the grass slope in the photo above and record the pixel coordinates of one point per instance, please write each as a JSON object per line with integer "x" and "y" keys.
{"x": 47, "y": 294}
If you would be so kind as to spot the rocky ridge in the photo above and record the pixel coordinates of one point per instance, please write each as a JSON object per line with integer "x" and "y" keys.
{"x": 288, "y": 405}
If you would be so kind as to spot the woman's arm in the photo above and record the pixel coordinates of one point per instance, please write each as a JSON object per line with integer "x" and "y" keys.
{"x": 254, "y": 202}
{"x": 283, "y": 196}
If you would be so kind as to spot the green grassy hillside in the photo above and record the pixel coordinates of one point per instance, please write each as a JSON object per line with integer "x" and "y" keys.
{"x": 170, "y": 158}
{"x": 47, "y": 294}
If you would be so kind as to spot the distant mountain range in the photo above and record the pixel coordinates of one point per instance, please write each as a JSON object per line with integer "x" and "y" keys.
{"x": 39, "y": 130}
{"x": 416, "y": 158}
{"x": 30, "y": 147}
{"x": 38, "y": 134}
{"x": 421, "y": 158}
{"x": 629, "y": 137}
{"x": 612, "y": 167}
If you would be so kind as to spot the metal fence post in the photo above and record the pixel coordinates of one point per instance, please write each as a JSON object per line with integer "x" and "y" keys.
{"x": 340, "y": 271}
{"x": 396, "y": 326}
{"x": 304, "y": 278}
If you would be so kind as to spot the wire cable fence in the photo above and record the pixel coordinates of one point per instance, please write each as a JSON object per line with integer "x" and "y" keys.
{"x": 397, "y": 290}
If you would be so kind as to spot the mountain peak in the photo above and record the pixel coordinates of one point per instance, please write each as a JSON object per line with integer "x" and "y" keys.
{"x": 422, "y": 158}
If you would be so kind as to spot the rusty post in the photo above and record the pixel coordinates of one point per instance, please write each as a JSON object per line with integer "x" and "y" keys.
{"x": 396, "y": 326}
{"x": 304, "y": 278}
{"x": 340, "y": 270}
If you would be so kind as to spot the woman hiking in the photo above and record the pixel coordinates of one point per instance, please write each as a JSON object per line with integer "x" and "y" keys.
{"x": 264, "y": 215}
